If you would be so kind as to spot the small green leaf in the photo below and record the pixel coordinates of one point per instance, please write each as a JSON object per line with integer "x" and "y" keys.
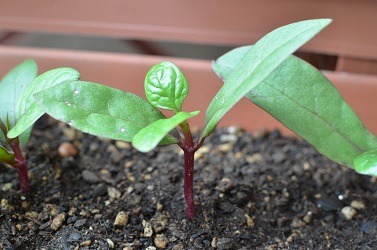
{"x": 302, "y": 99}
{"x": 366, "y": 163}
{"x": 6, "y": 157}
{"x": 262, "y": 58}
{"x": 99, "y": 110}
{"x": 11, "y": 88}
{"x": 150, "y": 136}
{"x": 29, "y": 110}
{"x": 165, "y": 86}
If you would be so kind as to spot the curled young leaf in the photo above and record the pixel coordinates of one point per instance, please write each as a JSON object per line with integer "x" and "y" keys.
{"x": 150, "y": 136}
{"x": 166, "y": 86}
{"x": 366, "y": 163}
{"x": 99, "y": 110}
{"x": 260, "y": 60}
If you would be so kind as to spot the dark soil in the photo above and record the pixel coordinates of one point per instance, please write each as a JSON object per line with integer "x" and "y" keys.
{"x": 253, "y": 191}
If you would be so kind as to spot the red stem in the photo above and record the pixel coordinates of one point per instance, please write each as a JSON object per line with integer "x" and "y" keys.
{"x": 189, "y": 148}
{"x": 20, "y": 165}
{"x": 23, "y": 177}
{"x": 188, "y": 183}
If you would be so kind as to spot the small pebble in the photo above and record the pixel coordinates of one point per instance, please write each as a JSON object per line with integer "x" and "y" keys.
{"x": 348, "y": 212}
{"x": 148, "y": 231}
{"x": 31, "y": 215}
{"x": 89, "y": 177}
{"x": 110, "y": 243}
{"x": 121, "y": 219}
{"x": 307, "y": 218}
{"x": 113, "y": 193}
{"x": 159, "y": 223}
{"x": 256, "y": 157}
{"x": 292, "y": 237}
{"x": 225, "y": 185}
{"x": 7, "y": 186}
{"x": 358, "y": 205}
{"x": 249, "y": 221}
{"x": 306, "y": 166}
{"x": 58, "y": 221}
{"x": 122, "y": 145}
{"x": 296, "y": 223}
{"x": 67, "y": 149}
{"x": 161, "y": 241}
{"x": 228, "y": 138}
{"x": 226, "y": 147}
{"x": 214, "y": 242}
{"x": 86, "y": 243}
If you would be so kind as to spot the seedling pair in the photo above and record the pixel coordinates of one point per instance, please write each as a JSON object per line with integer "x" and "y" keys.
{"x": 290, "y": 89}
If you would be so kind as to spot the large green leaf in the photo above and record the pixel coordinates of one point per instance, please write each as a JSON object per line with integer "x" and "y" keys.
{"x": 166, "y": 86}
{"x": 301, "y": 98}
{"x": 262, "y": 58}
{"x": 150, "y": 136}
{"x": 11, "y": 88}
{"x": 99, "y": 110}
{"x": 28, "y": 109}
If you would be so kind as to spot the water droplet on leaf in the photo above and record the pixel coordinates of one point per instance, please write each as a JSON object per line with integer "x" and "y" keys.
{"x": 122, "y": 129}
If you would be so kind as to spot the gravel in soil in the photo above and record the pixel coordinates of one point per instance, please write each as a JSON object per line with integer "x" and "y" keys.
{"x": 256, "y": 190}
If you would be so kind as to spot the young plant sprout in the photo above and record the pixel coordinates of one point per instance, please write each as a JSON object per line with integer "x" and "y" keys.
{"x": 297, "y": 94}
{"x": 18, "y": 110}
{"x": 11, "y": 88}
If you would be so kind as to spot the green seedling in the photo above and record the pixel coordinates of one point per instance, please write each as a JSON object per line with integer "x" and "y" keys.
{"x": 112, "y": 113}
{"x": 18, "y": 111}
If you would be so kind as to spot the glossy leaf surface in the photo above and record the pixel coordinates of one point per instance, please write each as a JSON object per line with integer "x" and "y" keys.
{"x": 29, "y": 110}
{"x": 12, "y": 86}
{"x": 99, "y": 110}
{"x": 260, "y": 60}
{"x": 165, "y": 86}
{"x": 366, "y": 163}
{"x": 149, "y": 137}
{"x": 302, "y": 99}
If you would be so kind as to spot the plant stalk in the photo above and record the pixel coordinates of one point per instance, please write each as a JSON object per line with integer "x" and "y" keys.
{"x": 188, "y": 148}
{"x": 189, "y": 183}
{"x": 21, "y": 165}
{"x": 23, "y": 177}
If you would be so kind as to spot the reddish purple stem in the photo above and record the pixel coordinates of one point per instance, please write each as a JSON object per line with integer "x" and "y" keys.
{"x": 23, "y": 177}
{"x": 21, "y": 165}
{"x": 189, "y": 148}
{"x": 189, "y": 182}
